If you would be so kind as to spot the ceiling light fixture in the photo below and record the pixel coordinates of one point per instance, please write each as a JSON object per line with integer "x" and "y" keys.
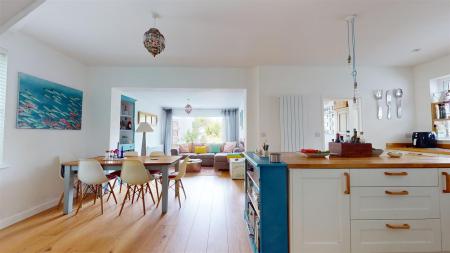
{"x": 188, "y": 107}
{"x": 351, "y": 59}
{"x": 154, "y": 41}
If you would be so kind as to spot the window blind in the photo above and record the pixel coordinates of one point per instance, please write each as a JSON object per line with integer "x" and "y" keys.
{"x": 3, "y": 71}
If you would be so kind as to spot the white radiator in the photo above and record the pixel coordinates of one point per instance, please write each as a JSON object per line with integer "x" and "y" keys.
{"x": 291, "y": 121}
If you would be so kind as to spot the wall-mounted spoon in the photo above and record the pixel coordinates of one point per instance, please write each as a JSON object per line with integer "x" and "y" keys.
{"x": 388, "y": 103}
{"x": 398, "y": 95}
{"x": 379, "y": 96}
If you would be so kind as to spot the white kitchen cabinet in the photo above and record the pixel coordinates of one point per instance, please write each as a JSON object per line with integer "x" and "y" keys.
{"x": 445, "y": 209}
{"x": 319, "y": 211}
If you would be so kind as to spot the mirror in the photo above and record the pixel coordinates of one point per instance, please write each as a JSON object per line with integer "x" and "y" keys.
{"x": 340, "y": 116}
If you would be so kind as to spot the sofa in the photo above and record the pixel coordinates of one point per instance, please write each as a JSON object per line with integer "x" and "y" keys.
{"x": 218, "y": 160}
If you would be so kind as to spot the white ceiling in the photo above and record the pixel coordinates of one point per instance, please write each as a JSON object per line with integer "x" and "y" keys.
{"x": 244, "y": 32}
{"x": 199, "y": 98}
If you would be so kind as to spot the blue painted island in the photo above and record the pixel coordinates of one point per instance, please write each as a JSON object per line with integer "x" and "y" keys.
{"x": 266, "y": 204}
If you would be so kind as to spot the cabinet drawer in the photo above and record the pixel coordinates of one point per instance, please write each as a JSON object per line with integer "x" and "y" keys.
{"x": 394, "y": 202}
{"x": 403, "y": 236}
{"x": 394, "y": 177}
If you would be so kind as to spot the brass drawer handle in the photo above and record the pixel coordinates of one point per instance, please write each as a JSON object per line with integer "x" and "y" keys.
{"x": 447, "y": 182}
{"x": 399, "y": 193}
{"x": 398, "y": 226}
{"x": 347, "y": 183}
{"x": 403, "y": 173}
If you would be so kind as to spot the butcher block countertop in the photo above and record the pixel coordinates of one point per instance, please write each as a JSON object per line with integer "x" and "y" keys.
{"x": 298, "y": 161}
{"x": 442, "y": 149}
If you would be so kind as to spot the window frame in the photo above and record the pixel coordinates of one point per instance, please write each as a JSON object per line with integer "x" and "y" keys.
{"x": 3, "y": 107}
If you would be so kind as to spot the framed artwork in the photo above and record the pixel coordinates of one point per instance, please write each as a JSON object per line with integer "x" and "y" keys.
{"x": 150, "y": 118}
{"x": 43, "y": 104}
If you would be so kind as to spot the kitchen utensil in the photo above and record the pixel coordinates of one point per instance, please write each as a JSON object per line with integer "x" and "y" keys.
{"x": 275, "y": 157}
{"x": 379, "y": 96}
{"x": 398, "y": 95}
{"x": 388, "y": 103}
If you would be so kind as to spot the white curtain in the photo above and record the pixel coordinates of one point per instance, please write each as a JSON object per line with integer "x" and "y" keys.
{"x": 167, "y": 130}
{"x": 231, "y": 128}
{"x": 291, "y": 123}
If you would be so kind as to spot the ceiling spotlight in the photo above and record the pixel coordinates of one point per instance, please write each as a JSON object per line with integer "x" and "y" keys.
{"x": 415, "y": 50}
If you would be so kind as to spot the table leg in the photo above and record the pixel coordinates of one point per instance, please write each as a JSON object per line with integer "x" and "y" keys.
{"x": 68, "y": 189}
{"x": 165, "y": 189}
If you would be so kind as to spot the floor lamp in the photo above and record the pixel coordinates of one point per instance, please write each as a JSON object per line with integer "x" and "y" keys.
{"x": 144, "y": 128}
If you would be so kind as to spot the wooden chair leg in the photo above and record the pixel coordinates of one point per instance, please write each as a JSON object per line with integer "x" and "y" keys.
{"x": 95, "y": 191}
{"x": 60, "y": 200}
{"x": 143, "y": 199}
{"x": 151, "y": 193}
{"x": 157, "y": 190}
{"x": 124, "y": 199}
{"x": 159, "y": 200}
{"x": 179, "y": 199}
{"x": 100, "y": 191}
{"x": 182, "y": 187}
{"x": 82, "y": 197}
{"x": 111, "y": 193}
{"x": 134, "y": 192}
{"x": 120, "y": 188}
{"x": 78, "y": 189}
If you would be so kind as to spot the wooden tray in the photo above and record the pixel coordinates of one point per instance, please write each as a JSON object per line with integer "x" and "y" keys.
{"x": 350, "y": 149}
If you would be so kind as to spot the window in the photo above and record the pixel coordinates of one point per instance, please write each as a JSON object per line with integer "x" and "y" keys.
{"x": 197, "y": 130}
{"x": 3, "y": 61}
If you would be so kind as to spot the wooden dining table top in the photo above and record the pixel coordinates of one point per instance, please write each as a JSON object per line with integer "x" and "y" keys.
{"x": 146, "y": 160}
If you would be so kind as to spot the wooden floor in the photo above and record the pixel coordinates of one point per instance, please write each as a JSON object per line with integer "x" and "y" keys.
{"x": 210, "y": 220}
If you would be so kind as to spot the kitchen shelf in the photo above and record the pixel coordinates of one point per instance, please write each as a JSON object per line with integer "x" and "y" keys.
{"x": 253, "y": 178}
{"x": 254, "y": 203}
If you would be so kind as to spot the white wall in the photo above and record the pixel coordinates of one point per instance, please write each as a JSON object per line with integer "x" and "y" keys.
{"x": 422, "y": 75}
{"x": 318, "y": 82}
{"x": 31, "y": 183}
{"x": 103, "y": 79}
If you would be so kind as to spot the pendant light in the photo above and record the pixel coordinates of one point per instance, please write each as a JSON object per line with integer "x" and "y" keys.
{"x": 154, "y": 41}
{"x": 351, "y": 59}
{"x": 188, "y": 107}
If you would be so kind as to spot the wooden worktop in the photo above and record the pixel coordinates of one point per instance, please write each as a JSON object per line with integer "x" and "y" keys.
{"x": 442, "y": 149}
{"x": 298, "y": 161}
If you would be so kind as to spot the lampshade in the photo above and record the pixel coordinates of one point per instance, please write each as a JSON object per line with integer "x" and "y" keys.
{"x": 144, "y": 127}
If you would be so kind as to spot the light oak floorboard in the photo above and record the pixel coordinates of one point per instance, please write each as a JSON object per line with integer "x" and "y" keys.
{"x": 210, "y": 220}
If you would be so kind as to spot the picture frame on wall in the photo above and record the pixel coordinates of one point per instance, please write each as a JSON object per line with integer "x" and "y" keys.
{"x": 150, "y": 118}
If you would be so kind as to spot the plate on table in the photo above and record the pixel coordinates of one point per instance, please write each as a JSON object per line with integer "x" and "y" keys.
{"x": 314, "y": 153}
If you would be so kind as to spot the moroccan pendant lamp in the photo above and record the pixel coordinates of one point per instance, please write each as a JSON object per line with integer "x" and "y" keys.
{"x": 188, "y": 107}
{"x": 351, "y": 59}
{"x": 154, "y": 41}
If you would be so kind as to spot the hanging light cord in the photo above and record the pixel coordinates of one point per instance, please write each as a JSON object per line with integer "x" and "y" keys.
{"x": 349, "y": 58}
{"x": 351, "y": 44}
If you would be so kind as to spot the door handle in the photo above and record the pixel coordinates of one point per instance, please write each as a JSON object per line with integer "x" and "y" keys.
{"x": 399, "y": 193}
{"x": 398, "y": 226}
{"x": 347, "y": 183}
{"x": 447, "y": 182}
{"x": 403, "y": 173}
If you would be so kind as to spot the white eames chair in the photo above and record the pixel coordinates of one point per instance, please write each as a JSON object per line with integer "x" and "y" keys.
{"x": 91, "y": 173}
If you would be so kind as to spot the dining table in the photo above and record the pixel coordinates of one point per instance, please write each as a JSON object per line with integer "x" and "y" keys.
{"x": 162, "y": 163}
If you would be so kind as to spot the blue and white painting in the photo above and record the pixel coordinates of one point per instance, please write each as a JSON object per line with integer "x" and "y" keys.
{"x": 47, "y": 105}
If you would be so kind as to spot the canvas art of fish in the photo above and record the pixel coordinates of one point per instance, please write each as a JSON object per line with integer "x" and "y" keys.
{"x": 44, "y": 104}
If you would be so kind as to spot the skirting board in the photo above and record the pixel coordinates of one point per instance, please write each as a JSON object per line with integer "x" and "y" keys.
{"x": 8, "y": 221}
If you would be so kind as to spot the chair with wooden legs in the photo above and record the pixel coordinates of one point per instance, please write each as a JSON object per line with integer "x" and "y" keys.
{"x": 125, "y": 154}
{"x": 178, "y": 183}
{"x": 157, "y": 154}
{"x": 91, "y": 173}
{"x": 136, "y": 176}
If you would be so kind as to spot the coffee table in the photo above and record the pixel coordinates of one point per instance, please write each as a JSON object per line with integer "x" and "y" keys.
{"x": 194, "y": 165}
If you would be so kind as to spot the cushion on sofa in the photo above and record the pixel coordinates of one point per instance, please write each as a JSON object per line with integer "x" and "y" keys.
{"x": 200, "y": 149}
{"x": 229, "y": 146}
{"x": 221, "y": 157}
{"x": 184, "y": 148}
{"x": 214, "y": 148}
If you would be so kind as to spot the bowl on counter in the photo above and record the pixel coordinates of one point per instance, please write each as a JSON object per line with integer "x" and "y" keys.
{"x": 314, "y": 153}
{"x": 393, "y": 154}
{"x": 377, "y": 152}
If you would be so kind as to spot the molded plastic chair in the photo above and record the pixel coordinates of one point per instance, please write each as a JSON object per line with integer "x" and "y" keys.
{"x": 135, "y": 174}
{"x": 176, "y": 178}
{"x": 130, "y": 154}
{"x": 117, "y": 173}
{"x": 90, "y": 172}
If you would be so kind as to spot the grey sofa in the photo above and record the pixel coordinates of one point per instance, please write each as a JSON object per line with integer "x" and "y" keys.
{"x": 217, "y": 160}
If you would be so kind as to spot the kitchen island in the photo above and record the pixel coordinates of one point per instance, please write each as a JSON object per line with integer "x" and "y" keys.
{"x": 343, "y": 205}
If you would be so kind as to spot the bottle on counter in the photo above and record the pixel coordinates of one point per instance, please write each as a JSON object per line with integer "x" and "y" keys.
{"x": 338, "y": 138}
{"x": 347, "y": 136}
{"x": 361, "y": 137}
